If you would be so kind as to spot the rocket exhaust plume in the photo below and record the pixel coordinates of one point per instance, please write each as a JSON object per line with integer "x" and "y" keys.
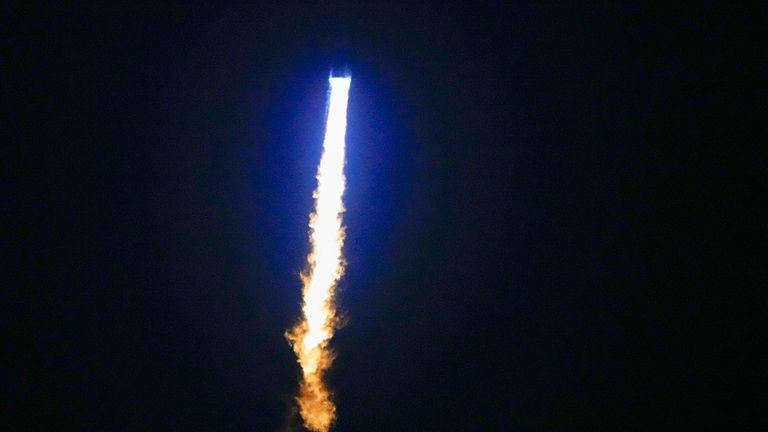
{"x": 310, "y": 337}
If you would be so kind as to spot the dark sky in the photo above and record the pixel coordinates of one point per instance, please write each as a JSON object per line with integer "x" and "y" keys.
{"x": 555, "y": 215}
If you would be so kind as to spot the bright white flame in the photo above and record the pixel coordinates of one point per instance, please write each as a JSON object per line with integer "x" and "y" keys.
{"x": 310, "y": 337}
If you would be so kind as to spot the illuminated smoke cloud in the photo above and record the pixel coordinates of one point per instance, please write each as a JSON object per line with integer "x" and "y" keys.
{"x": 310, "y": 336}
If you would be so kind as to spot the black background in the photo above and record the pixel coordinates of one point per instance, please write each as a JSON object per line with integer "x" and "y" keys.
{"x": 554, "y": 212}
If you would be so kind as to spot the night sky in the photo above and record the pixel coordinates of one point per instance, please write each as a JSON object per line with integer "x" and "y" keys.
{"x": 555, "y": 215}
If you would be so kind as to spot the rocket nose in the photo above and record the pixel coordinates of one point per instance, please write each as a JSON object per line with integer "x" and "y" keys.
{"x": 337, "y": 72}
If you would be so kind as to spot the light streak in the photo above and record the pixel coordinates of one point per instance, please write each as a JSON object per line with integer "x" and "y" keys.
{"x": 310, "y": 337}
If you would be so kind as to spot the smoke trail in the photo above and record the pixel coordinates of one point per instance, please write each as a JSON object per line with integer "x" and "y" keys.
{"x": 310, "y": 336}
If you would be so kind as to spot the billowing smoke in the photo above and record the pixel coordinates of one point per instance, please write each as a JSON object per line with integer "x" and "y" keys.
{"x": 311, "y": 335}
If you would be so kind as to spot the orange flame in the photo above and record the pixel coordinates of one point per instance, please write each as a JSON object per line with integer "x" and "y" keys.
{"x": 311, "y": 335}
